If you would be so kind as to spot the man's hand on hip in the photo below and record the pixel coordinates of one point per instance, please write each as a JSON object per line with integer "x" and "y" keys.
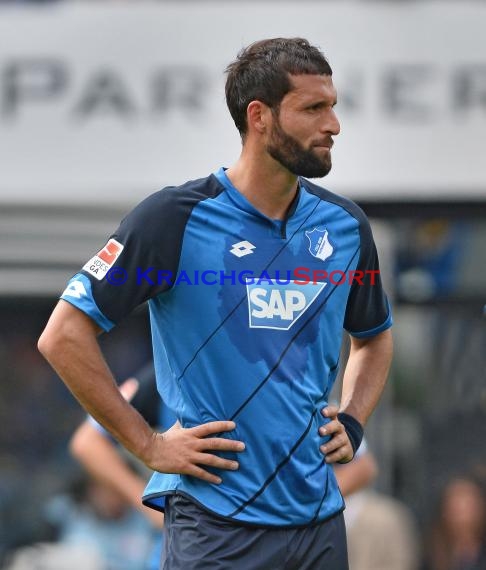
{"x": 187, "y": 450}
{"x": 338, "y": 449}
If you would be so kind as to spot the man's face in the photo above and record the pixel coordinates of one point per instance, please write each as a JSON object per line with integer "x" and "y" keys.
{"x": 302, "y": 129}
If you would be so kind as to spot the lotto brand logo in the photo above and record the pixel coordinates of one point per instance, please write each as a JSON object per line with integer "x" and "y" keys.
{"x": 272, "y": 306}
{"x": 242, "y": 248}
{"x": 99, "y": 265}
{"x": 75, "y": 289}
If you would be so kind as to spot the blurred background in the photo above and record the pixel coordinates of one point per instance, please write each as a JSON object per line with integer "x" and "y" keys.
{"x": 104, "y": 102}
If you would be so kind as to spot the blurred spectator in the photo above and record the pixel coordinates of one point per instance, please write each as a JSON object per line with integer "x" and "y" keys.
{"x": 429, "y": 259}
{"x": 47, "y": 556}
{"x": 94, "y": 529}
{"x": 98, "y": 453}
{"x": 358, "y": 473}
{"x": 38, "y": 415}
{"x": 109, "y": 463}
{"x": 458, "y": 534}
{"x": 100, "y": 520}
{"x": 381, "y": 531}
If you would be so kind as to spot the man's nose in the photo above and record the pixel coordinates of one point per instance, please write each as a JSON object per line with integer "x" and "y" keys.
{"x": 333, "y": 126}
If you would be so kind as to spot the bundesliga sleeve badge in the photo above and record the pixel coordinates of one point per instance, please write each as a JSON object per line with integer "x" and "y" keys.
{"x": 99, "y": 265}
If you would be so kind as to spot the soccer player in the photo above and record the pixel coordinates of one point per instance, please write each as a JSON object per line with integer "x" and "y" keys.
{"x": 246, "y": 274}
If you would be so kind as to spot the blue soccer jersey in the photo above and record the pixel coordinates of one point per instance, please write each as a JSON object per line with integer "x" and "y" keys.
{"x": 247, "y": 316}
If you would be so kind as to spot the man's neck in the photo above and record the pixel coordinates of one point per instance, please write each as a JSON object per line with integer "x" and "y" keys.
{"x": 268, "y": 186}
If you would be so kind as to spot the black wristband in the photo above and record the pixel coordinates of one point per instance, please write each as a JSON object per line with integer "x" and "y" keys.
{"x": 353, "y": 429}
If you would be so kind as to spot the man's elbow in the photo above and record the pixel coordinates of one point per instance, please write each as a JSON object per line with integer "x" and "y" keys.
{"x": 64, "y": 331}
{"x": 48, "y": 343}
{"x": 54, "y": 340}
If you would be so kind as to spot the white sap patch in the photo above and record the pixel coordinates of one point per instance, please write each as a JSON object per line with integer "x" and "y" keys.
{"x": 274, "y": 306}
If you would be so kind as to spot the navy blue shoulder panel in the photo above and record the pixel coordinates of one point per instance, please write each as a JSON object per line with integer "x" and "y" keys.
{"x": 151, "y": 236}
{"x": 162, "y": 217}
{"x": 367, "y": 310}
{"x": 328, "y": 196}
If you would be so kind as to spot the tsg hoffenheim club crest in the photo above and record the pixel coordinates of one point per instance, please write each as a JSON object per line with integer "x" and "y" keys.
{"x": 320, "y": 246}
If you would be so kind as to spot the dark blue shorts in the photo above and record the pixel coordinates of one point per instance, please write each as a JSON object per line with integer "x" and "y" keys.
{"x": 197, "y": 540}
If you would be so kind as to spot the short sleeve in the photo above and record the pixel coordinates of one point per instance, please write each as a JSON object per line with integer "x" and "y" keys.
{"x": 137, "y": 262}
{"x": 368, "y": 311}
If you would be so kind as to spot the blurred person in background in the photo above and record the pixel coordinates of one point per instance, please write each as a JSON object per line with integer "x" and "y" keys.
{"x": 457, "y": 540}
{"x": 103, "y": 459}
{"x": 358, "y": 474}
{"x": 381, "y": 531}
{"x": 98, "y": 519}
{"x": 93, "y": 527}
{"x": 265, "y": 495}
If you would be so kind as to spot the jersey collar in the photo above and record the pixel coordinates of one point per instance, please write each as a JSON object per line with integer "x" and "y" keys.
{"x": 245, "y": 205}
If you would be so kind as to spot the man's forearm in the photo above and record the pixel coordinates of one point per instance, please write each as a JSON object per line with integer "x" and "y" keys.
{"x": 70, "y": 345}
{"x": 366, "y": 374}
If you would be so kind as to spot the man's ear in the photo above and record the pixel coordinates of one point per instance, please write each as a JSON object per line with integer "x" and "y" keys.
{"x": 258, "y": 116}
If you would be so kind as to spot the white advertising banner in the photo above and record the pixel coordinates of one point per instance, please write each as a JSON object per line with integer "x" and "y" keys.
{"x": 107, "y": 102}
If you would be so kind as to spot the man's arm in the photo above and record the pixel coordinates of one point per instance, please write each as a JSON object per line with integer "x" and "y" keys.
{"x": 366, "y": 374}
{"x": 69, "y": 343}
{"x": 363, "y": 383}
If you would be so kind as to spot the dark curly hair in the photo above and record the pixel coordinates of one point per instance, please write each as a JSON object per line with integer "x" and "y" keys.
{"x": 261, "y": 72}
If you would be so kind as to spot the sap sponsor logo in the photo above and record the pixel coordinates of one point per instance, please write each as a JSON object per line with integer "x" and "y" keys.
{"x": 101, "y": 263}
{"x": 319, "y": 244}
{"x": 273, "y": 306}
{"x": 75, "y": 289}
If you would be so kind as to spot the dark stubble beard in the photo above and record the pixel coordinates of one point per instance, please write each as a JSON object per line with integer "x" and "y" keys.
{"x": 294, "y": 157}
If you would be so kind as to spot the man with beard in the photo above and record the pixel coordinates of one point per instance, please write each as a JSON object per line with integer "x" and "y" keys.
{"x": 244, "y": 357}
